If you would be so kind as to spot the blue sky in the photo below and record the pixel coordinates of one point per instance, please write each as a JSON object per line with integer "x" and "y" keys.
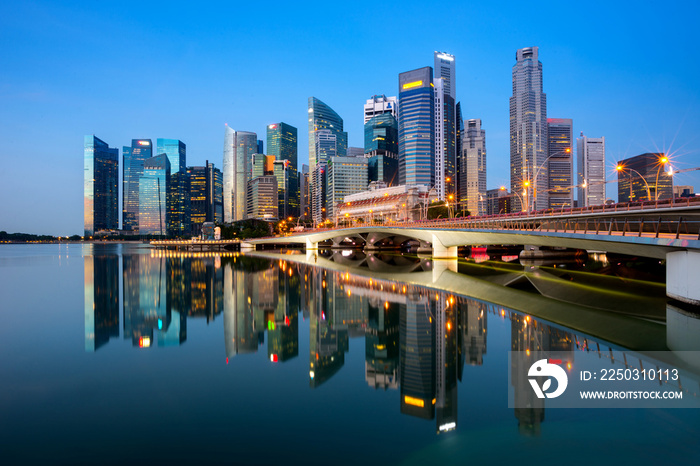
{"x": 121, "y": 70}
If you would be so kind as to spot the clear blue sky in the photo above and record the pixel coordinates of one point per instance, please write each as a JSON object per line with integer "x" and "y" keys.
{"x": 120, "y": 70}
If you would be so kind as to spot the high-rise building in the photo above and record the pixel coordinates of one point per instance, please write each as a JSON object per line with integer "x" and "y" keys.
{"x": 322, "y": 117}
{"x": 262, "y": 202}
{"x": 304, "y": 207}
{"x": 382, "y": 149}
{"x": 379, "y": 105}
{"x": 440, "y": 154}
{"x": 356, "y": 152}
{"x": 154, "y": 201}
{"x": 345, "y": 175}
{"x": 473, "y": 168}
{"x": 498, "y": 201}
{"x": 460, "y": 188}
{"x": 199, "y": 197}
{"x": 417, "y": 127}
{"x": 100, "y": 186}
{"x": 445, "y": 69}
{"x": 286, "y": 175}
{"x": 132, "y": 169}
{"x": 239, "y": 146}
{"x": 560, "y": 133}
{"x": 643, "y": 178}
{"x": 282, "y": 142}
{"x": 216, "y": 194}
{"x": 590, "y": 155}
{"x": 261, "y": 147}
{"x": 101, "y": 299}
{"x": 317, "y": 187}
{"x": 528, "y": 132}
{"x": 179, "y": 204}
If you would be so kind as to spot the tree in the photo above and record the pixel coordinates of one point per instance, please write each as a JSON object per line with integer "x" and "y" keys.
{"x": 438, "y": 209}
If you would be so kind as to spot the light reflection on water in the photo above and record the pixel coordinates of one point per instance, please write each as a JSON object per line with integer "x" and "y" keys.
{"x": 245, "y": 319}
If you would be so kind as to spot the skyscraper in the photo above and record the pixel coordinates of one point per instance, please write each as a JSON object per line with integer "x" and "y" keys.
{"x": 100, "y": 186}
{"x": 216, "y": 194}
{"x": 560, "y": 133}
{"x": 445, "y": 70}
{"x": 379, "y": 105}
{"x": 460, "y": 188}
{"x": 382, "y": 148}
{"x": 179, "y": 204}
{"x": 154, "y": 201}
{"x": 238, "y": 148}
{"x": 322, "y": 117}
{"x": 262, "y": 200}
{"x": 282, "y": 143}
{"x": 132, "y": 166}
{"x": 528, "y": 132}
{"x": 473, "y": 168}
{"x": 417, "y": 127}
{"x": 590, "y": 154}
{"x": 205, "y": 195}
{"x": 345, "y": 175}
{"x": 287, "y": 177}
{"x": 304, "y": 208}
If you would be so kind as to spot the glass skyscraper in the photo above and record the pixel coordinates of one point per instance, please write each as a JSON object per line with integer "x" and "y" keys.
{"x": 282, "y": 143}
{"x": 417, "y": 127}
{"x": 560, "y": 133}
{"x": 528, "y": 133}
{"x": 132, "y": 167}
{"x": 179, "y": 215}
{"x": 445, "y": 69}
{"x": 382, "y": 149}
{"x": 239, "y": 146}
{"x": 154, "y": 186}
{"x": 590, "y": 153}
{"x": 322, "y": 117}
{"x": 100, "y": 186}
{"x": 474, "y": 168}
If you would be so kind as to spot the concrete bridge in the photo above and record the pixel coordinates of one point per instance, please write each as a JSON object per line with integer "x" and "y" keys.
{"x": 668, "y": 230}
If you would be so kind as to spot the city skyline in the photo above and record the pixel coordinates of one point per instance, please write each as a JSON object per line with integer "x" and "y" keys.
{"x": 636, "y": 106}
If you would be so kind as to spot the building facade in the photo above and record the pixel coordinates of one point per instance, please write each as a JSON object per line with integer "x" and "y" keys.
{"x": 643, "y": 178}
{"x": 154, "y": 187}
{"x": 445, "y": 70}
{"x": 382, "y": 149}
{"x": 262, "y": 198}
{"x": 345, "y": 176}
{"x": 132, "y": 168}
{"x": 417, "y": 127}
{"x": 100, "y": 186}
{"x": 379, "y": 105}
{"x": 304, "y": 198}
{"x": 179, "y": 215}
{"x": 239, "y": 146}
{"x": 560, "y": 134}
{"x": 528, "y": 132}
{"x": 381, "y": 204}
{"x": 590, "y": 155}
{"x": 474, "y": 168}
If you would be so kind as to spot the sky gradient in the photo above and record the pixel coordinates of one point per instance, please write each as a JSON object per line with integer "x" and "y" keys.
{"x": 124, "y": 70}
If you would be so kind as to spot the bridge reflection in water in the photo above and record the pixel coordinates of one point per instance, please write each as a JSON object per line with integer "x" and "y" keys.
{"x": 422, "y": 321}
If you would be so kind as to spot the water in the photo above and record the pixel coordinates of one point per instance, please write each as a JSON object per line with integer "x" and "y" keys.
{"x": 251, "y": 360}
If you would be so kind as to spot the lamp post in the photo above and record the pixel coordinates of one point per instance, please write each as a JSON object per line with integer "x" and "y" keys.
{"x": 537, "y": 173}
{"x": 503, "y": 188}
{"x": 621, "y": 168}
{"x": 663, "y": 160}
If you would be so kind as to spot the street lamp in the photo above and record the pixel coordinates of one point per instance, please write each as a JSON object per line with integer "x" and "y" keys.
{"x": 537, "y": 173}
{"x": 621, "y": 168}
{"x": 663, "y": 160}
{"x": 503, "y": 188}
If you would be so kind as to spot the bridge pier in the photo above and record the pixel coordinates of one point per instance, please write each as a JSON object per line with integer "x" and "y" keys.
{"x": 440, "y": 251}
{"x": 311, "y": 245}
{"x": 682, "y": 276}
{"x": 442, "y": 265}
{"x": 247, "y": 246}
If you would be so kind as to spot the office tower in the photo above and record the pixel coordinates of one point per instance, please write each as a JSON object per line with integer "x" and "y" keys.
{"x": 154, "y": 201}
{"x": 590, "y": 154}
{"x": 282, "y": 142}
{"x": 205, "y": 195}
{"x": 304, "y": 208}
{"x": 216, "y": 194}
{"x": 101, "y": 299}
{"x": 132, "y": 167}
{"x": 379, "y": 105}
{"x": 286, "y": 175}
{"x": 262, "y": 198}
{"x": 100, "y": 186}
{"x": 257, "y": 166}
{"x": 498, "y": 201}
{"x": 643, "y": 178}
{"x": 322, "y": 117}
{"x": 417, "y": 127}
{"x": 356, "y": 152}
{"x": 528, "y": 132}
{"x": 440, "y": 155}
{"x": 344, "y": 176}
{"x": 317, "y": 187}
{"x": 445, "y": 70}
{"x": 382, "y": 149}
{"x": 560, "y": 134}
{"x": 179, "y": 204}
{"x": 473, "y": 168}
{"x": 239, "y": 146}
{"x": 260, "y": 146}
{"x": 459, "y": 134}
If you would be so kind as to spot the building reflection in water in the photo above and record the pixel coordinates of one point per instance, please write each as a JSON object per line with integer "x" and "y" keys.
{"x": 101, "y": 299}
{"x": 417, "y": 340}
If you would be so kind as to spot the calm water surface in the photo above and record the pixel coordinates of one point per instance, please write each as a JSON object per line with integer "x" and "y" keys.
{"x": 114, "y": 354}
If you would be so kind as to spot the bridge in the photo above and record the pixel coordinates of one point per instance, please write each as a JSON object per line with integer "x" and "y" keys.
{"x": 668, "y": 229}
